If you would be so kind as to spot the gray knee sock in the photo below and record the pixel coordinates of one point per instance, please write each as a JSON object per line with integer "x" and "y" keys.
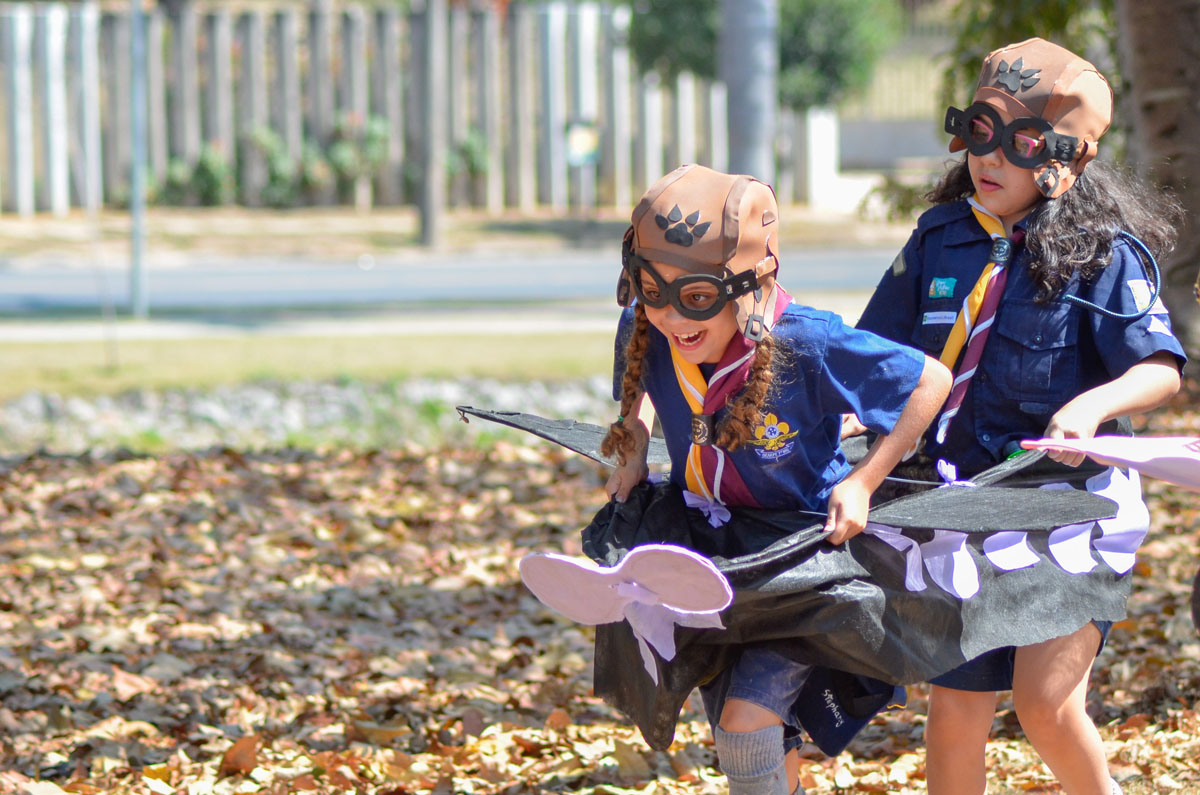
{"x": 752, "y": 761}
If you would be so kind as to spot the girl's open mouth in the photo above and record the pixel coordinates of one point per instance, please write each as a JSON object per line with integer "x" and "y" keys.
{"x": 988, "y": 184}
{"x": 689, "y": 341}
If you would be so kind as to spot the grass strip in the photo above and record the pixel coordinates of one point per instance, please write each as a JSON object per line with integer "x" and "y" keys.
{"x": 98, "y": 368}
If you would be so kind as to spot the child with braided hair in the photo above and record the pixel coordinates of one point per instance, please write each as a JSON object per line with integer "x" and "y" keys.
{"x": 750, "y": 388}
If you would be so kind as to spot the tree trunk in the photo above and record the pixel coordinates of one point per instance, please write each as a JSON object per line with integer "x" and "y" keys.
{"x": 1159, "y": 47}
{"x": 749, "y": 67}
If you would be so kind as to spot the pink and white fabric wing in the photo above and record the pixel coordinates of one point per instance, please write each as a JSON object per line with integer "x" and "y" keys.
{"x": 1175, "y": 459}
{"x": 655, "y": 587}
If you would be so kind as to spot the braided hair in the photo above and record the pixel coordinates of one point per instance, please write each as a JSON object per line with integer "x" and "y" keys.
{"x": 619, "y": 441}
{"x": 745, "y": 409}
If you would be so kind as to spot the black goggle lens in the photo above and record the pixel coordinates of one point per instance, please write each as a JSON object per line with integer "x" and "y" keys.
{"x": 1027, "y": 142}
{"x": 695, "y": 296}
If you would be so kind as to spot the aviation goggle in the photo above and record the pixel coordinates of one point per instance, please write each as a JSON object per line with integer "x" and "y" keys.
{"x": 697, "y": 296}
{"x": 1027, "y": 142}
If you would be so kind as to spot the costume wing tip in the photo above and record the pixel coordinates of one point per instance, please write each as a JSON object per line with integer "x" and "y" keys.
{"x": 584, "y": 438}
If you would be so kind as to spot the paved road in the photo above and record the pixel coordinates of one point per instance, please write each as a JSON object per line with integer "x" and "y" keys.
{"x": 228, "y": 284}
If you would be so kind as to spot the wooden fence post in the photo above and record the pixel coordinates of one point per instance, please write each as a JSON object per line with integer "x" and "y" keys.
{"x": 414, "y": 94}
{"x": 321, "y": 107}
{"x": 585, "y": 103}
{"x": 616, "y": 164}
{"x": 785, "y": 177}
{"x": 434, "y": 93}
{"x": 18, "y": 43}
{"x": 252, "y": 106}
{"x": 459, "y": 123}
{"x": 156, "y": 96}
{"x": 286, "y": 116}
{"x": 817, "y": 157}
{"x": 486, "y": 48}
{"x": 650, "y": 123}
{"x": 717, "y": 154}
{"x": 387, "y": 102}
{"x": 116, "y": 55}
{"x": 354, "y": 62}
{"x": 51, "y": 50}
{"x": 683, "y": 106}
{"x": 553, "y": 171}
{"x": 354, "y": 101}
{"x": 218, "y": 96}
{"x": 185, "y": 83}
{"x": 521, "y": 185}
{"x": 85, "y": 104}
{"x": 320, "y": 72}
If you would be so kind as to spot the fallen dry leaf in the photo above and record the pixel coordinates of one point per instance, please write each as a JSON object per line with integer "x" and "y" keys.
{"x": 352, "y": 621}
{"x": 241, "y": 758}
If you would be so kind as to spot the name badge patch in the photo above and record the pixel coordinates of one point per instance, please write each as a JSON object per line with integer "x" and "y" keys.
{"x": 942, "y": 288}
{"x": 938, "y": 318}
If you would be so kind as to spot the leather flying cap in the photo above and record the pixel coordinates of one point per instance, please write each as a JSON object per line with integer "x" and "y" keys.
{"x": 1041, "y": 79}
{"x": 708, "y": 222}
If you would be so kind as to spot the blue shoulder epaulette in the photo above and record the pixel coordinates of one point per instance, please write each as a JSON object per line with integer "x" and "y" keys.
{"x": 942, "y": 214}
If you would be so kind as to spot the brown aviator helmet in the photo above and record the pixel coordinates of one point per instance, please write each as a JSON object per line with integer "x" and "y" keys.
{"x": 720, "y": 228}
{"x": 1053, "y": 96}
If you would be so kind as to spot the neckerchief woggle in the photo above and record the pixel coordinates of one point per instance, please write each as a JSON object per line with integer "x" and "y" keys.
{"x": 709, "y": 472}
{"x": 974, "y": 320}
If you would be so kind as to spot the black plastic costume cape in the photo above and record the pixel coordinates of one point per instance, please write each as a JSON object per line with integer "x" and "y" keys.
{"x": 846, "y": 608}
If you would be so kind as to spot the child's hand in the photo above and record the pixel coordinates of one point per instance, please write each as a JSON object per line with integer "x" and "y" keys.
{"x": 634, "y": 470}
{"x": 848, "y": 505}
{"x": 1076, "y": 420}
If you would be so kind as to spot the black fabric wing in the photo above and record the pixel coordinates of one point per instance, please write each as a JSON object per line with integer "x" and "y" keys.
{"x": 843, "y": 607}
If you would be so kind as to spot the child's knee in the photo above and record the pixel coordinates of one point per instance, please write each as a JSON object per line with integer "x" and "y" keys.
{"x": 960, "y": 713}
{"x": 1039, "y": 714}
{"x": 746, "y": 716}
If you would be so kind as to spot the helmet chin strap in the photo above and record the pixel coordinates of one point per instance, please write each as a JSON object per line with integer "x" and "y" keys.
{"x": 1047, "y": 182}
{"x": 755, "y": 327}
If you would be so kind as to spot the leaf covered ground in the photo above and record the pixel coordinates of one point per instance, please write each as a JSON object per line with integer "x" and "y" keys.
{"x": 294, "y": 621}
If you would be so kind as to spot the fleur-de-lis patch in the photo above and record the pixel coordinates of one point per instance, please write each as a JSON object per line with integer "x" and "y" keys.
{"x": 1014, "y": 79}
{"x": 681, "y": 231}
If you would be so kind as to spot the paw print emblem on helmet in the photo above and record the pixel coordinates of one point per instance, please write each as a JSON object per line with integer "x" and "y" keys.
{"x": 1014, "y": 79}
{"x": 679, "y": 230}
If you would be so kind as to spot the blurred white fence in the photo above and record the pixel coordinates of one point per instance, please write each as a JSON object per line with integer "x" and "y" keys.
{"x": 542, "y": 107}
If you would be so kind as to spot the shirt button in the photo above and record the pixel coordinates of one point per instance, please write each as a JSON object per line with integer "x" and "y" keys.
{"x": 987, "y": 437}
{"x": 1037, "y": 338}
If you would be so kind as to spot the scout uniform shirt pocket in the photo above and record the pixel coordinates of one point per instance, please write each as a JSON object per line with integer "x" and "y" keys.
{"x": 935, "y": 320}
{"x": 1032, "y": 355}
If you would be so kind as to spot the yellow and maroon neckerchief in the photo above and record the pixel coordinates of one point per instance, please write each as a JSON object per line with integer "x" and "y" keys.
{"x": 975, "y": 319}
{"x": 709, "y": 471}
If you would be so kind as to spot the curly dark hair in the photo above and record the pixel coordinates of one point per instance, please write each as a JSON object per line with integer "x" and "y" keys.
{"x": 1074, "y": 233}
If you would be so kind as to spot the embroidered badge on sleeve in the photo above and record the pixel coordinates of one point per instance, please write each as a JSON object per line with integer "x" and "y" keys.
{"x": 1141, "y": 292}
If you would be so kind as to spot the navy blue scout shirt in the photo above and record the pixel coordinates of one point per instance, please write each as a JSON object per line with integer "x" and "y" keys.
{"x": 822, "y": 369}
{"x": 1038, "y": 356}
